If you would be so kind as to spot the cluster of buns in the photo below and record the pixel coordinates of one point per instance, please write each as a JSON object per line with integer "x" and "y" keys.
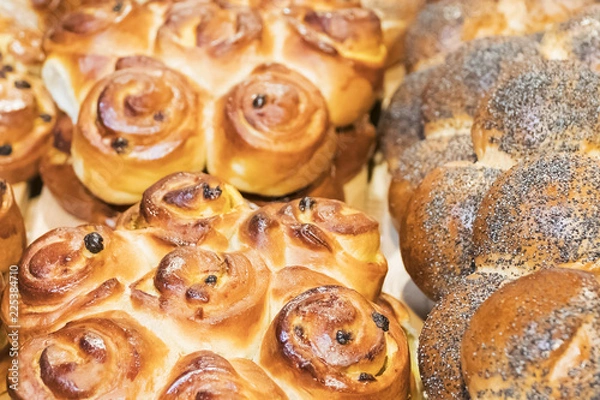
{"x": 495, "y": 191}
{"x": 272, "y": 96}
{"x": 196, "y": 293}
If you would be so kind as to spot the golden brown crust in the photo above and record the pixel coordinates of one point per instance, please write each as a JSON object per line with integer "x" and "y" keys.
{"x": 293, "y": 280}
{"x": 441, "y": 338}
{"x": 536, "y": 336}
{"x": 12, "y": 228}
{"x": 330, "y": 341}
{"x": 340, "y": 50}
{"x": 68, "y": 271}
{"x": 218, "y": 45}
{"x": 187, "y": 209}
{"x": 276, "y": 120}
{"x": 538, "y": 107}
{"x": 105, "y": 356}
{"x": 315, "y": 233}
{"x": 93, "y": 28}
{"x": 436, "y": 236}
{"x": 185, "y": 265}
{"x": 133, "y": 121}
{"x": 222, "y": 298}
{"x": 205, "y": 374}
{"x": 542, "y": 212}
{"x": 211, "y": 41}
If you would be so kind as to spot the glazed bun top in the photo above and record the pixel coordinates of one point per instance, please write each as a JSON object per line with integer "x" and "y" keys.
{"x": 536, "y": 336}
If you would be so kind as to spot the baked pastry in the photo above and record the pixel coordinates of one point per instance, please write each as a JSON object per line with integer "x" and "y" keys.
{"x": 169, "y": 301}
{"x": 330, "y": 341}
{"x": 186, "y": 209}
{"x": 137, "y": 125}
{"x": 535, "y": 336}
{"x": 12, "y": 228}
{"x": 428, "y": 122}
{"x": 276, "y": 120}
{"x": 108, "y": 355}
{"x": 396, "y": 17}
{"x": 207, "y": 374}
{"x": 334, "y": 233}
{"x": 440, "y": 341}
{"x": 574, "y": 39}
{"x": 265, "y": 69}
{"x": 81, "y": 48}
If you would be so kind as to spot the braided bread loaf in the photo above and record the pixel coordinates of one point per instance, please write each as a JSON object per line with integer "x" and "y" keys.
{"x": 488, "y": 105}
{"x": 198, "y": 293}
{"x": 494, "y": 157}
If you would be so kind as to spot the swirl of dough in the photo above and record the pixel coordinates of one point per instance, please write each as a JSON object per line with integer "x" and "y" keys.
{"x": 136, "y": 126}
{"x": 204, "y": 374}
{"x": 188, "y": 208}
{"x": 222, "y": 37}
{"x": 67, "y": 271}
{"x": 330, "y": 341}
{"x": 274, "y": 119}
{"x": 223, "y": 295}
{"x": 317, "y": 233}
{"x": 103, "y": 357}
